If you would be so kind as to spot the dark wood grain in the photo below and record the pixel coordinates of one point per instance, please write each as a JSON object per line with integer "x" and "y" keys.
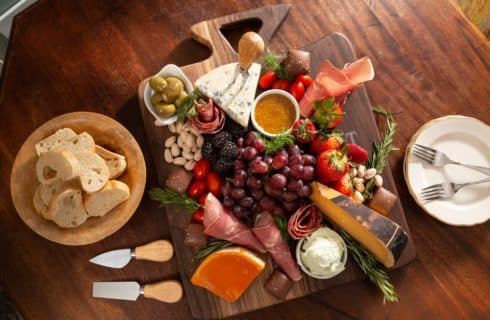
{"x": 91, "y": 55}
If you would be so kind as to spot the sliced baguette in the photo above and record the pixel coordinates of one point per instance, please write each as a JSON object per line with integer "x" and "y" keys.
{"x": 67, "y": 210}
{"x": 50, "y": 190}
{"x": 59, "y": 137}
{"x": 55, "y": 166}
{"x": 115, "y": 161}
{"x": 94, "y": 172}
{"x": 101, "y": 202}
{"x": 39, "y": 205}
{"x": 84, "y": 142}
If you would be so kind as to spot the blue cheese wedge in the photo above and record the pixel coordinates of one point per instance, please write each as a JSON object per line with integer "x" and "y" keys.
{"x": 232, "y": 89}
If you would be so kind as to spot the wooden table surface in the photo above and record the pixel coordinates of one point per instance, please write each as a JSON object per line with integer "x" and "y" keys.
{"x": 90, "y": 55}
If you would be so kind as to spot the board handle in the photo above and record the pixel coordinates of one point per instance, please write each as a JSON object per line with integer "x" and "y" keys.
{"x": 208, "y": 32}
{"x": 169, "y": 291}
{"x": 159, "y": 251}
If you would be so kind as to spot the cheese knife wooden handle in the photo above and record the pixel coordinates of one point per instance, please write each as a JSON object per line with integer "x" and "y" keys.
{"x": 169, "y": 291}
{"x": 250, "y": 47}
{"x": 159, "y": 251}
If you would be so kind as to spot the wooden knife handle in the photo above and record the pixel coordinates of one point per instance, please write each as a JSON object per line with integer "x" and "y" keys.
{"x": 169, "y": 291}
{"x": 160, "y": 251}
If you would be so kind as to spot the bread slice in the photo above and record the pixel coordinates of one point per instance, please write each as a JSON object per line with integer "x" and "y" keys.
{"x": 55, "y": 166}
{"x": 115, "y": 161}
{"x": 84, "y": 142}
{"x": 94, "y": 172}
{"x": 50, "y": 190}
{"x": 103, "y": 201}
{"x": 59, "y": 137}
{"x": 40, "y": 207}
{"x": 66, "y": 209}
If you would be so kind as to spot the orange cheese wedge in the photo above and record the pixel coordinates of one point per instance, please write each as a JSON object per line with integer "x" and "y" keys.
{"x": 228, "y": 272}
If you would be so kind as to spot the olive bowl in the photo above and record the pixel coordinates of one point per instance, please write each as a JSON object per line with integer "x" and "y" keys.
{"x": 170, "y": 70}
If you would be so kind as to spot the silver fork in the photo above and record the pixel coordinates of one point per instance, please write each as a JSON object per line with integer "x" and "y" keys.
{"x": 439, "y": 159}
{"x": 445, "y": 190}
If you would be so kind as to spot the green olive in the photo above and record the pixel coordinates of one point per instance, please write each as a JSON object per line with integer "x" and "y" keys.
{"x": 157, "y": 98}
{"x": 158, "y": 83}
{"x": 173, "y": 89}
{"x": 180, "y": 98}
{"x": 165, "y": 109}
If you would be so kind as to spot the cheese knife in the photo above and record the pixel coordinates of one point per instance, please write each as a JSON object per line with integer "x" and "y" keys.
{"x": 169, "y": 291}
{"x": 159, "y": 251}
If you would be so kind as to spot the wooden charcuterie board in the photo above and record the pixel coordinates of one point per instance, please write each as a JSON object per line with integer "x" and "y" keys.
{"x": 359, "y": 122}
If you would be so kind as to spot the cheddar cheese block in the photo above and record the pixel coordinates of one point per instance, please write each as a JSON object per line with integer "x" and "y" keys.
{"x": 232, "y": 89}
{"x": 382, "y": 237}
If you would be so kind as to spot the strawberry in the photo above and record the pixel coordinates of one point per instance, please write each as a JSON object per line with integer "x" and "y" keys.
{"x": 328, "y": 113}
{"x": 321, "y": 143}
{"x": 357, "y": 153}
{"x": 304, "y": 131}
{"x": 344, "y": 185}
{"x": 331, "y": 165}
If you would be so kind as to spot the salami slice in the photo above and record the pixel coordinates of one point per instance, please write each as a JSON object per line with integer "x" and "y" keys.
{"x": 304, "y": 221}
{"x": 210, "y": 118}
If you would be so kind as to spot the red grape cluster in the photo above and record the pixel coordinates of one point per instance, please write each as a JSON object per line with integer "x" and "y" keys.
{"x": 277, "y": 183}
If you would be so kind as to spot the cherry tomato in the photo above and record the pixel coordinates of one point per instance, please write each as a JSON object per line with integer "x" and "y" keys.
{"x": 297, "y": 89}
{"x": 201, "y": 169}
{"x": 197, "y": 188}
{"x": 267, "y": 79}
{"x": 305, "y": 80}
{"x": 282, "y": 84}
{"x": 198, "y": 215}
{"x": 202, "y": 199}
{"x": 214, "y": 183}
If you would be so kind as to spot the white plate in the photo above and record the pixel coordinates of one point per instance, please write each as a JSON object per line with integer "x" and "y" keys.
{"x": 170, "y": 70}
{"x": 463, "y": 139}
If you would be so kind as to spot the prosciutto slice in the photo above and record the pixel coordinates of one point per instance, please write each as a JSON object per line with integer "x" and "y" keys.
{"x": 304, "y": 221}
{"x": 220, "y": 223}
{"x": 210, "y": 119}
{"x": 266, "y": 231}
{"x": 331, "y": 82}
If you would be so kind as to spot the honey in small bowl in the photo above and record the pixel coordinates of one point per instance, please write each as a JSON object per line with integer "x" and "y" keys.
{"x": 274, "y": 112}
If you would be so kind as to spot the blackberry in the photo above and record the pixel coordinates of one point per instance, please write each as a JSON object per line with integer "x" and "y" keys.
{"x": 223, "y": 167}
{"x": 229, "y": 150}
{"x": 220, "y": 139}
{"x": 234, "y": 128}
{"x": 207, "y": 151}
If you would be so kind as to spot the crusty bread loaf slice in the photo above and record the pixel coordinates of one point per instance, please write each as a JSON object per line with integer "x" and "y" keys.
{"x": 115, "y": 161}
{"x": 84, "y": 142}
{"x": 103, "y": 201}
{"x": 67, "y": 210}
{"x": 57, "y": 166}
{"x": 94, "y": 172}
{"x": 40, "y": 207}
{"x": 59, "y": 137}
{"x": 50, "y": 190}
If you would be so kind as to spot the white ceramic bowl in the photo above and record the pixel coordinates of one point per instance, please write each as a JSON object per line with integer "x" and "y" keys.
{"x": 269, "y": 92}
{"x": 329, "y": 275}
{"x": 170, "y": 70}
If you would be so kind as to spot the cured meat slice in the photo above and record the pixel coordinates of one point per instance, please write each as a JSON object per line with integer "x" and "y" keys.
{"x": 332, "y": 82}
{"x": 220, "y": 223}
{"x": 210, "y": 119}
{"x": 266, "y": 231}
{"x": 304, "y": 221}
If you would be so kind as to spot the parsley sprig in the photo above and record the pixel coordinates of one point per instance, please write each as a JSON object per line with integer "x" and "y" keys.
{"x": 186, "y": 109}
{"x": 278, "y": 142}
{"x": 271, "y": 63}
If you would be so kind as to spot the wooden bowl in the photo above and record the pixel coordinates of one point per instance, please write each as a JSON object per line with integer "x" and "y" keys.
{"x": 106, "y": 132}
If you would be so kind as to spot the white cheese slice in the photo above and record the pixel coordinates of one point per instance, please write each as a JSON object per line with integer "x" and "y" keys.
{"x": 232, "y": 89}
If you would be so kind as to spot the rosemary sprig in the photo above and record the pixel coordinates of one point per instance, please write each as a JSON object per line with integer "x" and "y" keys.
{"x": 167, "y": 196}
{"x": 277, "y": 143}
{"x": 381, "y": 150}
{"x": 270, "y": 62}
{"x": 371, "y": 267}
{"x": 212, "y": 247}
{"x": 186, "y": 108}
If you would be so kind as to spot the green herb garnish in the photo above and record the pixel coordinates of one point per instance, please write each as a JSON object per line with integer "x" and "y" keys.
{"x": 381, "y": 150}
{"x": 371, "y": 267}
{"x": 212, "y": 247}
{"x": 167, "y": 196}
{"x": 282, "y": 225}
{"x": 186, "y": 108}
{"x": 270, "y": 62}
{"x": 326, "y": 111}
{"x": 277, "y": 142}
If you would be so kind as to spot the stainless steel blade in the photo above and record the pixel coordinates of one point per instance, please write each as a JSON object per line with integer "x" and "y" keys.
{"x": 113, "y": 259}
{"x": 125, "y": 290}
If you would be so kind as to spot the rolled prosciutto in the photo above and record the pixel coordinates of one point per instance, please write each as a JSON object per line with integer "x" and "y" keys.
{"x": 266, "y": 231}
{"x": 210, "y": 118}
{"x": 220, "y": 223}
{"x": 331, "y": 82}
{"x": 304, "y": 221}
